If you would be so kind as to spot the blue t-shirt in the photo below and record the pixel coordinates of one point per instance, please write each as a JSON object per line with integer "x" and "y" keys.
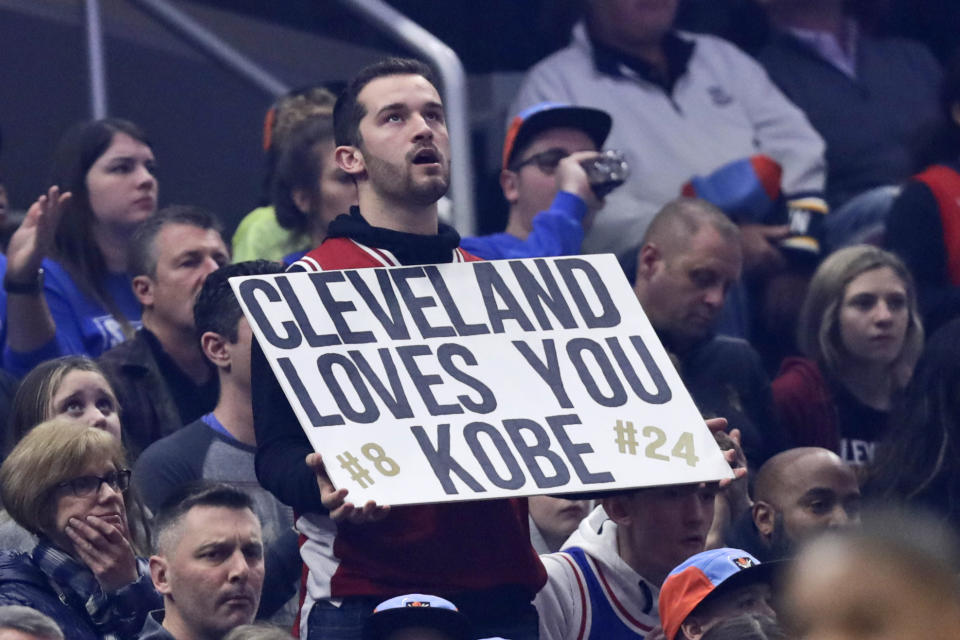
{"x": 84, "y": 327}
{"x": 558, "y": 231}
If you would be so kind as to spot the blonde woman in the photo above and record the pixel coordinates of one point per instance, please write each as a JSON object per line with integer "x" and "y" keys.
{"x": 66, "y": 483}
{"x": 861, "y": 335}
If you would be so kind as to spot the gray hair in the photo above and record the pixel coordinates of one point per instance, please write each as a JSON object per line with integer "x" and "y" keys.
{"x": 30, "y": 621}
{"x": 257, "y": 631}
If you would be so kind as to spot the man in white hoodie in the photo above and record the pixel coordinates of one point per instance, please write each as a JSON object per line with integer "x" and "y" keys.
{"x": 606, "y": 581}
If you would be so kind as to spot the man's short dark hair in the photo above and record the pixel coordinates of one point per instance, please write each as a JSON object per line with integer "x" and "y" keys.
{"x": 348, "y": 112}
{"x": 217, "y": 308}
{"x": 142, "y": 252}
{"x": 197, "y": 494}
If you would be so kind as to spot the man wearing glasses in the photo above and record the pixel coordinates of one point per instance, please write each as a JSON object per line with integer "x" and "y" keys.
{"x": 550, "y": 198}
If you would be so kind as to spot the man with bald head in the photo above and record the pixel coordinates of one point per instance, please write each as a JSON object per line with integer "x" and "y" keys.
{"x": 798, "y": 493}
{"x": 689, "y": 258}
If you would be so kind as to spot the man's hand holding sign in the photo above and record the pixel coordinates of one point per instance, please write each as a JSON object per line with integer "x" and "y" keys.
{"x": 477, "y": 381}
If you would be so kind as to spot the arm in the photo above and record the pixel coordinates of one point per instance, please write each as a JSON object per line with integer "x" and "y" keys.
{"x": 123, "y": 611}
{"x": 285, "y": 462}
{"x": 915, "y": 233}
{"x": 168, "y": 464}
{"x": 759, "y": 407}
{"x": 558, "y": 231}
{"x": 781, "y": 129}
{"x": 558, "y": 602}
{"x": 60, "y": 298}
{"x": 30, "y": 325}
{"x": 282, "y": 445}
{"x": 733, "y": 499}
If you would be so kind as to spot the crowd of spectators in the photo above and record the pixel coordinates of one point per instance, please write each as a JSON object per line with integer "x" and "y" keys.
{"x": 792, "y": 252}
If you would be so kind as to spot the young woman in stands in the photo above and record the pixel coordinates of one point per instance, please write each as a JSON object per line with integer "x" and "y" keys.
{"x": 73, "y": 390}
{"x": 861, "y": 334}
{"x": 66, "y": 283}
{"x": 919, "y": 459}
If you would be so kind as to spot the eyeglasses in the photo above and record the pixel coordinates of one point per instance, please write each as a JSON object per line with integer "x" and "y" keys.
{"x": 86, "y": 486}
{"x": 546, "y": 161}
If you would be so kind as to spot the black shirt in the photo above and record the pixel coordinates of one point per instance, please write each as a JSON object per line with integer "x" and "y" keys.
{"x": 192, "y": 400}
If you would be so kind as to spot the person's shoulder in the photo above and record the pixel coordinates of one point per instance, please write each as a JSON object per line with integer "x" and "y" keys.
{"x": 21, "y": 583}
{"x": 574, "y": 57}
{"x": 334, "y": 253}
{"x": 153, "y": 628}
{"x": 260, "y": 216}
{"x": 899, "y": 46}
{"x": 134, "y": 352}
{"x": 797, "y": 376}
{"x": 468, "y": 256}
{"x": 730, "y": 344}
{"x": 564, "y": 574}
{"x": 489, "y": 247}
{"x": 709, "y": 44}
{"x": 190, "y": 439}
{"x": 731, "y": 353}
{"x": 259, "y": 235}
{"x": 19, "y": 573}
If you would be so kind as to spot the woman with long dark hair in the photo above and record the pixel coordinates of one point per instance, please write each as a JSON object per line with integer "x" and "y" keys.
{"x": 919, "y": 459}
{"x": 67, "y": 287}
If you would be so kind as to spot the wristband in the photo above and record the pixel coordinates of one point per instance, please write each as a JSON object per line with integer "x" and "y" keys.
{"x": 23, "y": 288}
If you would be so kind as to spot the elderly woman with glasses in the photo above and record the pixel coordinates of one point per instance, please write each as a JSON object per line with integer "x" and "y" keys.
{"x": 66, "y": 484}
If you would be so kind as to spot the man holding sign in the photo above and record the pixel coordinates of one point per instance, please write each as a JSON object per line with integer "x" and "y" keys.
{"x": 392, "y": 139}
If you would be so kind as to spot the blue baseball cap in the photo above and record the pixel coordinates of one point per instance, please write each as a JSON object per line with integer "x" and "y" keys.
{"x": 550, "y": 115}
{"x": 702, "y": 574}
{"x": 416, "y": 610}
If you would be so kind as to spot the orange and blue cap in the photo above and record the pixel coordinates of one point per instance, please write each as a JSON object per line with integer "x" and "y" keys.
{"x": 702, "y": 574}
{"x": 549, "y": 115}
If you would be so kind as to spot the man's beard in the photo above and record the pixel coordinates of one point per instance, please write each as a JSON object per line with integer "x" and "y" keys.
{"x": 781, "y": 547}
{"x": 399, "y": 185}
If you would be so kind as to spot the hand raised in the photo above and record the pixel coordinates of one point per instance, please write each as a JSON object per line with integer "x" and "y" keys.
{"x": 335, "y": 499}
{"x": 33, "y": 239}
{"x": 730, "y": 445}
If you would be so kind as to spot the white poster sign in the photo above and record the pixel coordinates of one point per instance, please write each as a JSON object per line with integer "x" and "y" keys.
{"x": 479, "y": 380}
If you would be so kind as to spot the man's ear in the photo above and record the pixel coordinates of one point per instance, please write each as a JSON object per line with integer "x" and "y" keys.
{"x": 214, "y": 347}
{"x": 764, "y": 518}
{"x": 616, "y": 509}
{"x": 648, "y": 258}
{"x": 143, "y": 290}
{"x": 303, "y": 199}
{"x": 159, "y": 574}
{"x": 350, "y": 160}
{"x": 510, "y": 185}
{"x": 691, "y": 629}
